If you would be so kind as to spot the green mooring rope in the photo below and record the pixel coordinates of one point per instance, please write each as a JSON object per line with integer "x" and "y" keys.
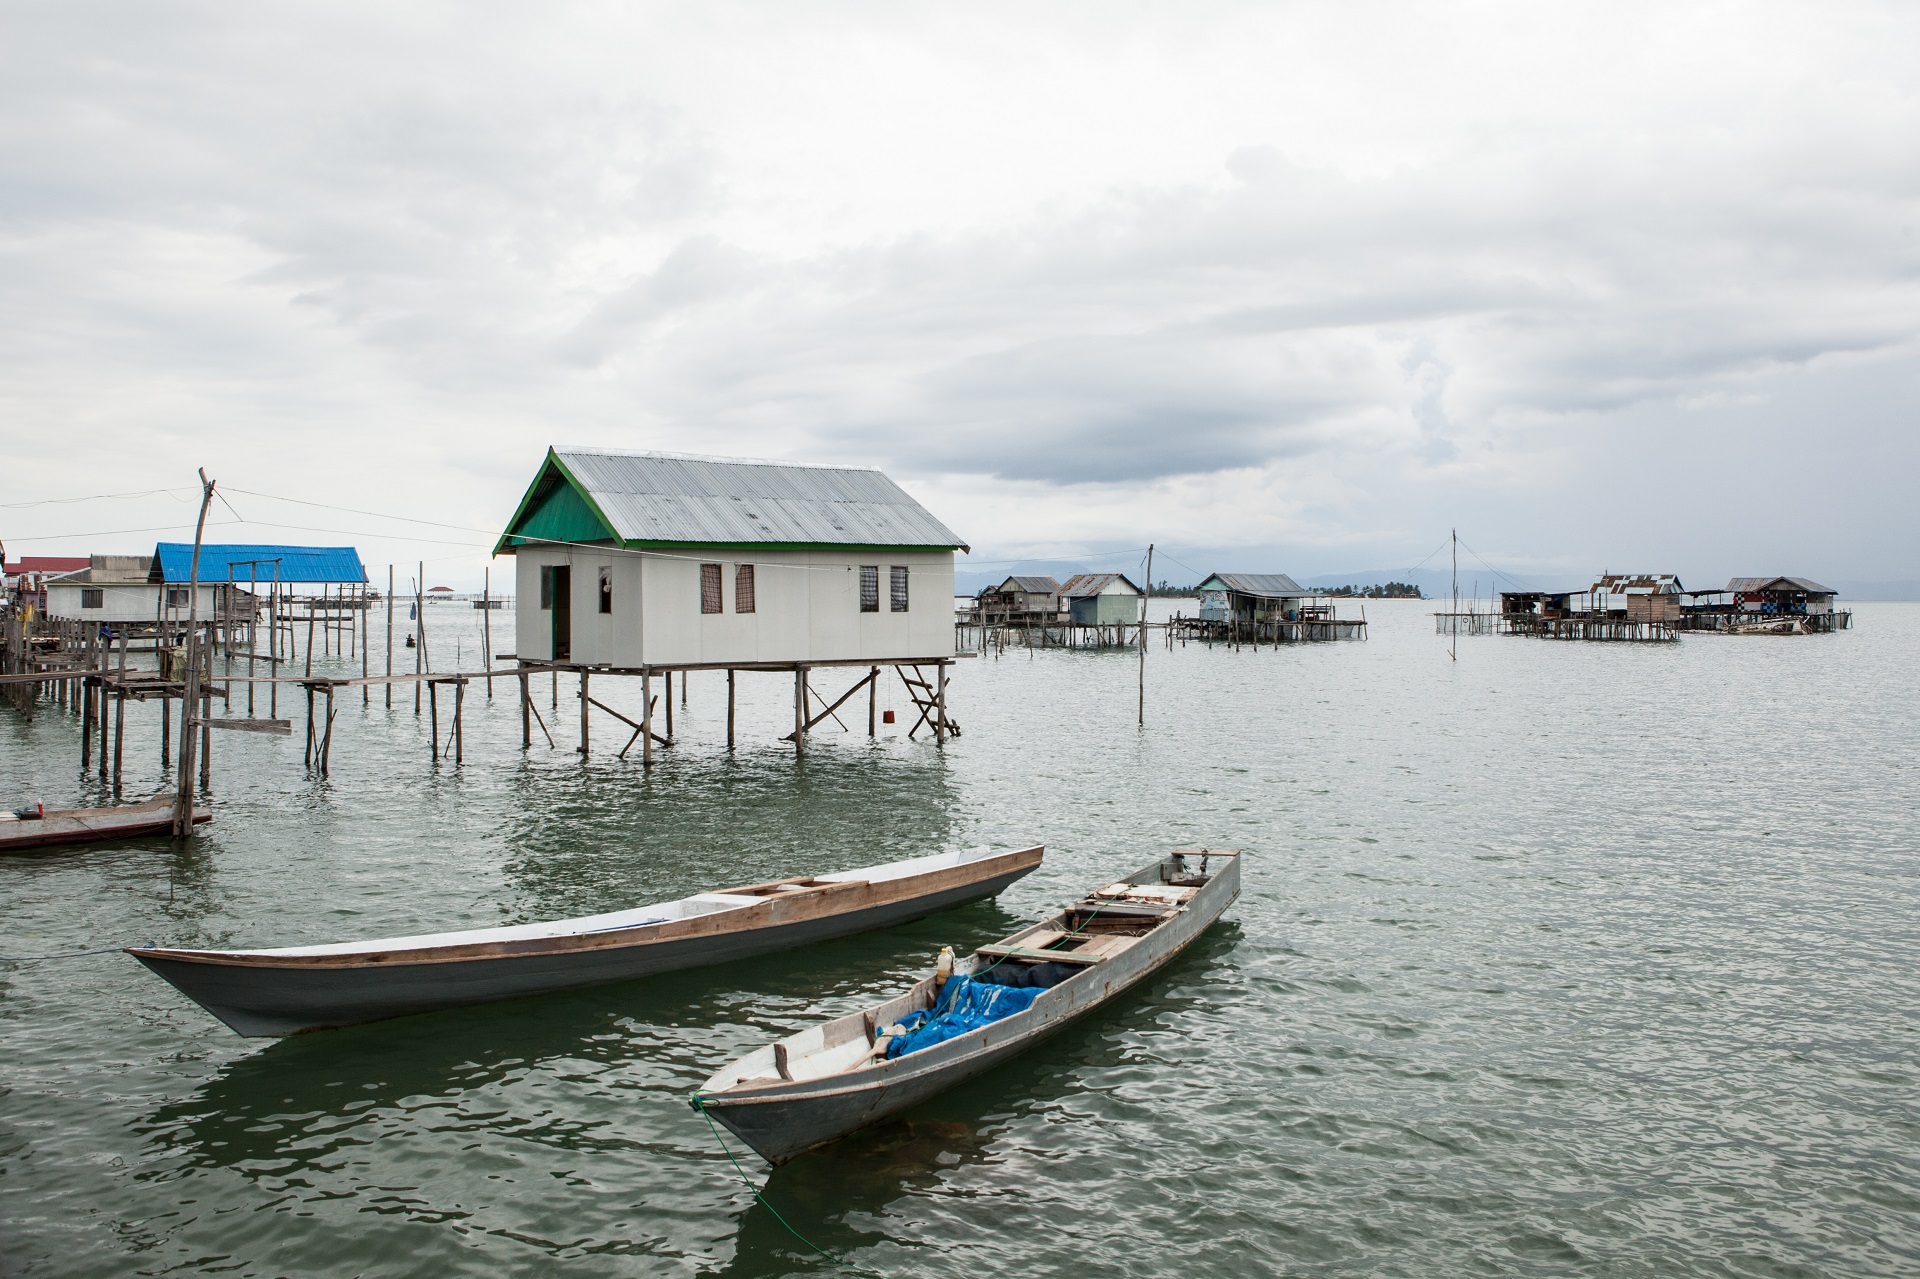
{"x": 755, "y": 1190}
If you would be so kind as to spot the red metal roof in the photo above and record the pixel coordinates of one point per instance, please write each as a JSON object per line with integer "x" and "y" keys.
{"x": 47, "y": 564}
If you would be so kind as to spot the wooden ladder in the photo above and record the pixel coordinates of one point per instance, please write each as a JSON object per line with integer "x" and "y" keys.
{"x": 926, "y": 697}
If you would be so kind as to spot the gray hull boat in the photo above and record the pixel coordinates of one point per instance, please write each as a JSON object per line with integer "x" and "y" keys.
{"x": 832, "y": 1079}
{"x": 297, "y": 988}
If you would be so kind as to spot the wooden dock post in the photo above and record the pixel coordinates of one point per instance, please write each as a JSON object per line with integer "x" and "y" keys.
{"x": 206, "y": 736}
{"x": 486, "y": 626}
{"x": 166, "y": 721}
{"x": 873, "y": 698}
{"x": 646, "y": 717}
{"x": 584, "y": 710}
{"x": 526, "y": 712}
{"x": 307, "y": 756}
{"x": 120, "y": 715}
{"x": 730, "y": 710}
{"x": 419, "y": 631}
{"x": 366, "y": 689}
{"x": 389, "y": 637}
{"x": 433, "y": 711}
{"x": 799, "y": 710}
{"x": 683, "y": 684}
{"x": 940, "y": 700}
{"x": 326, "y": 738}
{"x": 101, "y": 714}
{"x": 459, "y": 737}
{"x": 86, "y": 723}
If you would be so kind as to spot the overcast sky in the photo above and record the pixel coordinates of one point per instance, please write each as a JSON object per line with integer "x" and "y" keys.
{"x": 1288, "y": 287}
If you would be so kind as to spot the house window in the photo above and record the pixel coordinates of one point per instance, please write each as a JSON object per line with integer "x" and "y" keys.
{"x": 710, "y": 588}
{"x": 869, "y": 588}
{"x": 93, "y": 597}
{"x": 606, "y": 588}
{"x": 899, "y": 588}
{"x": 176, "y": 597}
{"x": 743, "y": 588}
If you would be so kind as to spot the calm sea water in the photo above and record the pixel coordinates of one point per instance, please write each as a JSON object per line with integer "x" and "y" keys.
{"x": 1556, "y": 960}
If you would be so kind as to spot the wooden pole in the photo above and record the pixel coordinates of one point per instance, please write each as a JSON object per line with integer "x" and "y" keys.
{"x": 419, "y": 631}
{"x": 206, "y": 737}
{"x": 1145, "y": 601}
{"x": 799, "y": 711}
{"x": 526, "y": 712}
{"x": 389, "y": 637}
{"x": 433, "y": 710}
{"x": 166, "y": 727}
{"x": 459, "y": 738}
{"x": 873, "y": 698}
{"x": 730, "y": 709}
{"x": 307, "y": 760}
{"x": 120, "y": 715}
{"x": 310, "y": 617}
{"x": 940, "y": 703}
{"x": 486, "y": 625}
{"x": 584, "y": 710}
{"x": 683, "y": 684}
{"x": 273, "y": 626}
{"x": 366, "y": 690}
{"x": 646, "y": 714}
{"x": 326, "y": 738}
{"x": 86, "y": 723}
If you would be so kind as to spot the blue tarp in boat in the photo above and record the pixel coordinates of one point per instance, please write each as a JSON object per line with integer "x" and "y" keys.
{"x": 965, "y": 1004}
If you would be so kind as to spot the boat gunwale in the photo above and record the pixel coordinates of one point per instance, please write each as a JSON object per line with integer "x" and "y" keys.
{"x": 745, "y": 918}
{"x": 864, "y": 1079}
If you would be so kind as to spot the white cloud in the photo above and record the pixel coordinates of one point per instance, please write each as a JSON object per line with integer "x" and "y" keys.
{"x": 1304, "y": 285}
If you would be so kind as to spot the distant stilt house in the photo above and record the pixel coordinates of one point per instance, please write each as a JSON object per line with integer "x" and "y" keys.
{"x": 1783, "y": 605}
{"x": 1021, "y": 601}
{"x": 1100, "y": 599}
{"x": 119, "y": 591}
{"x": 645, "y": 563}
{"x": 1618, "y": 606}
{"x": 1266, "y": 608}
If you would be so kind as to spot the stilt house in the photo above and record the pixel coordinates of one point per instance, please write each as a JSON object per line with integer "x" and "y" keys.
{"x": 1020, "y": 600}
{"x": 1251, "y": 597}
{"x": 637, "y": 560}
{"x": 1100, "y": 599}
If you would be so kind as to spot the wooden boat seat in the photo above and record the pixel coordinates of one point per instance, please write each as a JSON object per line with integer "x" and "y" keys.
{"x": 1046, "y": 956}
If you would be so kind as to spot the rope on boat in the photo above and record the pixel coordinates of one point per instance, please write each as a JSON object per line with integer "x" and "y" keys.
{"x": 748, "y": 1183}
{"x": 77, "y": 954}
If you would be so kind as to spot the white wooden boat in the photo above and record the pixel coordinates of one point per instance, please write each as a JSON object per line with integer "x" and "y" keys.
{"x": 89, "y": 825}
{"x": 827, "y": 1081}
{"x": 290, "y": 989}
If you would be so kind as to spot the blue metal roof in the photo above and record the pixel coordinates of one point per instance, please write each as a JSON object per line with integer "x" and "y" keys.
{"x": 173, "y": 562}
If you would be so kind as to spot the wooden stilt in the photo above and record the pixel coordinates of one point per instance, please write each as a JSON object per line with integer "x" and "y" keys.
{"x": 683, "y": 684}
{"x": 526, "y": 717}
{"x": 433, "y": 711}
{"x": 166, "y": 727}
{"x": 583, "y": 714}
{"x": 206, "y": 738}
{"x": 459, "y": 737}
{"x": 940, "y": 701}
{"x": 730, "y": 710}
{"x": 326, "y": 738}
{"x": 646, "y": 717}
{"x": 86, "y": 723}
{"x": 307, "y": 758}
{"x": 389, "y": 635}
{"x": 799, "y": 711}
{"x": 873, "y": 698}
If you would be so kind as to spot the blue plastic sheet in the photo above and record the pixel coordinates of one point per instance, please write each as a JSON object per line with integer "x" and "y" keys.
{"x": 965, "y": 1004}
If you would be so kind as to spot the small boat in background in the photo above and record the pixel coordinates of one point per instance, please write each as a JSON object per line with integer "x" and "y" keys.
{"x": 290, "y": 989}
{"x": 972, "y": 1014}
{"x": 39, "y": 827}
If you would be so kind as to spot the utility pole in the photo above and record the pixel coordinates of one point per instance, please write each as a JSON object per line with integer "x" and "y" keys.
{"x": 183, "y": 801}
{"x": 1453, "y": 623}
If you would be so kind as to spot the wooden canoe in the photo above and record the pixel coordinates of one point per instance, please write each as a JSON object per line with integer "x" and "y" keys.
{"x": 88, "y": 825}
{"x": 832, "y": 1079}
{"x": 290, "y": 989}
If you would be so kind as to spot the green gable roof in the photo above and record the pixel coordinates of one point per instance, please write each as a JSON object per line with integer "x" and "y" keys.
{"x": 555, "y": 509}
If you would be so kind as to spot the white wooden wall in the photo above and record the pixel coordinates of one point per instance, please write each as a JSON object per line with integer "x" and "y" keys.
{"x": 807, "y": 607}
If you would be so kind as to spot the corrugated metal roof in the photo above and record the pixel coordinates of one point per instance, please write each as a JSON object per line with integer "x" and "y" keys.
{"x": 1805, "y": 585}
{"x": 1032, "y": 585}
{"x": 1081, "y": 585}
{"x": 663, "y": 497}
{"x": 310, "y": 565}
{"x": 1269, "y": 585}
{"x": 46, "y": 564}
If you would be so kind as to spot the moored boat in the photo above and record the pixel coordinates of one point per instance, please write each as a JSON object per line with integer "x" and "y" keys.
{"x": 52, "y": 826}
{"x": 832, "y": 1079}
{"x": 289, "y": 989}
